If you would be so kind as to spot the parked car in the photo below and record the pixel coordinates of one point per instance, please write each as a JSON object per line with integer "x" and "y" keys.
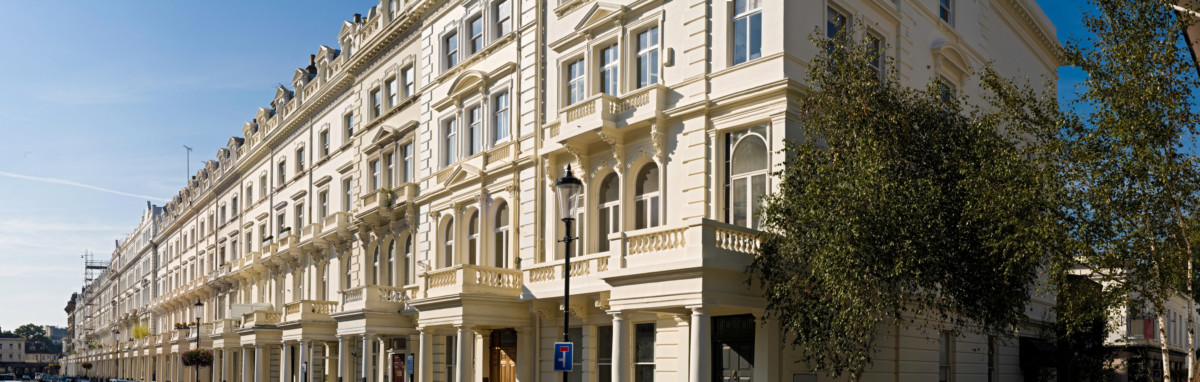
{"x": 8, "y": 377}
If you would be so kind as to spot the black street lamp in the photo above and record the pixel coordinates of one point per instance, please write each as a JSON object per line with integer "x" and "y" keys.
{"x": 568, "y": 190}
{"x": 117, "y": 341}
{"x": 198, "y": 309}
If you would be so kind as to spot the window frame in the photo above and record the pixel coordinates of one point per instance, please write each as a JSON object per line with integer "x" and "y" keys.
{"x": 648, "y": 53}
{"x": 375, "y": 97}
{"x": 476, "y": 38}
{"x": 501, "y": 123}
{"x": 449, "y": 128}
{"x": 575, "y": 84}
{"x": 324, "y": 141}
{"x": 501, "y": 236}
{"x": 447, "y": 231}
{"x": 392, "y": 90}
{"x": 608, "y": 71}
{"x": 749, "y": 16}
{"x": 650, "y": 201}
{"x": 450, "y": 49}
{"x": 946, "y": 11}
{"x": 475, "y": 117}
{"x": 502, "y": 25}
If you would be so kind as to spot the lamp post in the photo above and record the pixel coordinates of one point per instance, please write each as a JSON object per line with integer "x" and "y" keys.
{"x": 568, "y": 189}
{"x": 198, "y": 309}
{"x": 117, "y": 341}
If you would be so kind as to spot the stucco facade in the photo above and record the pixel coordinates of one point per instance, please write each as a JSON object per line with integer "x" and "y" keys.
{"x": 393, "y": 207}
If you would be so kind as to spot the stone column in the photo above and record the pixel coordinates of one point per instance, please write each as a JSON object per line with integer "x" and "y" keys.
{"x": 247, "y": 371}
{"x": 216, "y": 368}
{"x": 285, "y": 360}
{"x": 700, "y": 351}
{"x": 260, "y": 360}
{"x": 305, "y": 361}
{"x": 424, "y": 362}
{"x": 463, "y": 360}
{"x": 381, "y": 359}
{"x": 620, "y": 347}
{"x": 483, "y": 346}
{"x": 366, "y": 358}
{"x": 343, "y": 359}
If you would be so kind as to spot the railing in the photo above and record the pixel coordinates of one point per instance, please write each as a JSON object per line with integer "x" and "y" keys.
{"x": 309, "y": 310}
{"x": 638, "y": 98}
{"x": 338, "y": 221}
{"x": 261, "y": 318}
{"x": 376, "y": 297}
{"x": 742, "y": 241}
{"x": 581, "y": 266}
{"x": 224, "y": 326}
{"x": 478, "y": 279}
{"x": 659, "y": 240}
{"x": 287, "y": 243}
{"x": 501, "y": 153}
{"x": 310, "y": 231}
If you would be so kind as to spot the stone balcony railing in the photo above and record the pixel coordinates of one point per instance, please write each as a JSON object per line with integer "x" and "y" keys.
{"x": 473, "y": 279}
{"x": 377, "y": 297}
{"x": 261, "y": 318}
{"x": 603, "y": 110}
{"x": 335, "y": 224}
{"x": 309, "y": 310}
{"x": 287, "y": 243}
{"x": 310, "y": 232}
{"x": 224, "y": 326}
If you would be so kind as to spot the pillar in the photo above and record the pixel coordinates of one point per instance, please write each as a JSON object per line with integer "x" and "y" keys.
{"x": 305, "y": 361}
{"x": 466, "y": 338}
{"x": 343, "y": 357}
{"x": 483, "y": 346}
{"x": 701, "y": 344}
{"x": 620, "y": 347}
{"x": 381, "y": 359}
{"x": 262, "y": 363}
{"x": 225, "y": 372}
{"x": 367, "y": 376}
{"x": 425, "y": 359}
{"x": 246, "y": 369}
{"x": 285, "y": 359}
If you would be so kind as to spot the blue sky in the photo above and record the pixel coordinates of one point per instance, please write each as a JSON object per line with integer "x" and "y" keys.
{"x": 100, "y": 97}
{"x": 105, "y": 94}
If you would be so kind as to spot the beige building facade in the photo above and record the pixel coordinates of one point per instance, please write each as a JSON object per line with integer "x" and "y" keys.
{"x": 391, "y": 215}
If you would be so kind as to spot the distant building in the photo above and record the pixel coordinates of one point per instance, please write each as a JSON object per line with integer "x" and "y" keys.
{"x": 12, "y": 352}
{"x": 55, "y": 333}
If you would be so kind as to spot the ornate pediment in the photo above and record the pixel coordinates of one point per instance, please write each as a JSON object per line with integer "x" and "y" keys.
{"x": 598, "y": 15}
{"x": 461, "y": 174}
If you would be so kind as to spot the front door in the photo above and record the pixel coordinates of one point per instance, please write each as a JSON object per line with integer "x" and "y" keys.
{"x": 503, "y": 367}
{"x": 733, "y": 348}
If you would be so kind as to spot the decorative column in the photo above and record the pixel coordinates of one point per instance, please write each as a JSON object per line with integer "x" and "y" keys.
{"x": 343, "y": 353}
{"x": 306, "y": 366}
{"x": 701, "y": 344}
{"x": 425, "y": 359}
{"x": 286, "y": 360}
{"x": 246, "y": 362}
{"x": 384, "y": 363}
{"x": 225, "y": 368}
{"x": 463, "y": 358}
{"x": 483, "y": 345}
{"x": 366, "y": 357}
{"x": 260, "y": 358}
{"x": 620, "y": 347}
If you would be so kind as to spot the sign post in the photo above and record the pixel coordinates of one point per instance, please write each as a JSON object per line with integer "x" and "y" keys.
{"x": 564, "y": 355}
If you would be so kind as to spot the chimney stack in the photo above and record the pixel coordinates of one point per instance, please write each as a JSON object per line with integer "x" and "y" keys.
{"x": 357, "y": 18}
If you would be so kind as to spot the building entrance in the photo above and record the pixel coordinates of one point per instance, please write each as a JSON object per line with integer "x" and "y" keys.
{"x": 733, "y": 348}
{"x": 503, "y": 367}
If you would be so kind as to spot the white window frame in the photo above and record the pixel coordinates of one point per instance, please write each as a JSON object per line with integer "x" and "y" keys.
{"x": 503, "y": 23}
{"x": 576, "y": 85}
{"x": 500, "y": 118}
{"x": 376, "y": 99}
{"x": 449, "y": 128}
{"x": 946, "y": 11}
{"x": 500, "y": 237}
{"x": 748, "y": 15}
{"x": 393, "y": 96}
{"x": 473, "y": 238}
{"x": 476, "y": 41}
{"x": 611, "y": 210}
{"x": 610, "y": 73}
{"x": 408, "y": 76}
{"x": 450, "y": 49}
{"x": 648, "y": 57}
{"x": 651, "y": 201}
{"x": 474, "y": 135}
{"x": 323, "y": 139}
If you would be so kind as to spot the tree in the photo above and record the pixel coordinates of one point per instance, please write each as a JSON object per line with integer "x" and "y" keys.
{"x": 1131, "y": 182}
{"x": 30, "y": 332}
{"x": 1081, "y": 327}
{"x": 905, "y": 206}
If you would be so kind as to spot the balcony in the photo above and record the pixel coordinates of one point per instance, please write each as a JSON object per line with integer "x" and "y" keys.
{"x": 261, "y": 318}
{"x": 309, "y": 310}
{"x": 336, "y": 227}
{"x": 288, "y": 244}
{"x": 310, "y": 232}
{"x": 603, "y": 110}
{"x": 386, "y": 204}
{"x": 473, "y": 279}
{"x": 377, "y": 297}
{"x": 224, "y": 326}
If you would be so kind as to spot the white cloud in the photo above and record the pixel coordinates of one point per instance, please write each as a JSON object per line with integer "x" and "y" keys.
{"x": 77, "y": 184}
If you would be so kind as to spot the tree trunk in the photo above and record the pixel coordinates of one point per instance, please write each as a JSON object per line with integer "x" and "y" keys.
{"x": 1163, "y": 344}
{"x": 1191, "y": 333}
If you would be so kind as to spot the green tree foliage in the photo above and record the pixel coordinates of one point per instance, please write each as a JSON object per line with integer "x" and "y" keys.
{"x": 30, "y": 332}
{"x": 1130, "y": 176}
{"x": 904, "y": 205}
{"x": 1081, "y": 326}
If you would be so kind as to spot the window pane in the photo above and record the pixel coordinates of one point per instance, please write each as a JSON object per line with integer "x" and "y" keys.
{"x": 750, "y": 155}
{"x": 602, "y": 240}
{"x": 654, "y": 211}
{"x": 739, "y": 40}
{"x": 758, "y": 188}
{"x": 609, "y": 189}
{"x": 755, "y": 32}
{"x": 639, "y": 211}
{"x": 647, "y": 181}
{"x": 644, "y": 343}
{"x": 738, "y": 199}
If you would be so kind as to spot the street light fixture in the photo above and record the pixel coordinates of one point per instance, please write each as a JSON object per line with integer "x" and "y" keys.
{"x": 568, "y": 202}
{"x": 198, "y": 309}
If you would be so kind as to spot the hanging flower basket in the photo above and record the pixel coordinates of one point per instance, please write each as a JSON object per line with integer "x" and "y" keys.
{"x": 197, "y": 357}
{"x": 87, "y": 365}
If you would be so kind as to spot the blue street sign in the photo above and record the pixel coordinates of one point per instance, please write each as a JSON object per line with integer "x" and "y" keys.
{"x": 564, "y": 353}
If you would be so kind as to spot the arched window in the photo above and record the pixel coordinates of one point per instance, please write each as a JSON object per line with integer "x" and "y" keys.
{"x": 374, "y": 271}
{"x": 345, "y": 271}
{"x": 500, "y": 238}
{"x": 323, "y": 289}
{"x": 473, "y": 238}
{"x": 608, "y": 211}
{"x": 409, "y": 270}
{"x": 448, "y": 244}
{"x": 747, "y": 178}
{"x": 391, "y": 265}
{"x": 646, "y": 199}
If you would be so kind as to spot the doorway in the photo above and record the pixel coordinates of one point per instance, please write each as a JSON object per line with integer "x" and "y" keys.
{"x": 733, "y": 348}
{"x": 503, "y": 360}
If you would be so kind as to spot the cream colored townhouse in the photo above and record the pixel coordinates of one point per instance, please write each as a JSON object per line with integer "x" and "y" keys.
{"x": 391, "y": 215}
